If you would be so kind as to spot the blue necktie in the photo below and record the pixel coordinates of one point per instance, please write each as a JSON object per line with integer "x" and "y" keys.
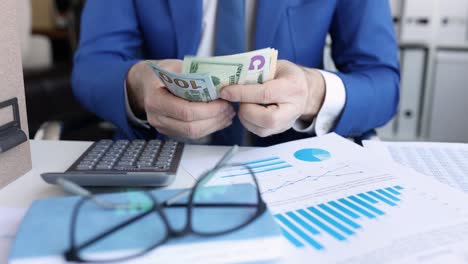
{"x": 230, "y": 39}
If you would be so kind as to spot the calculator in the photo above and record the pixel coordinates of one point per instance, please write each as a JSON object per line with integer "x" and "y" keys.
{"x": 124, "y": 163}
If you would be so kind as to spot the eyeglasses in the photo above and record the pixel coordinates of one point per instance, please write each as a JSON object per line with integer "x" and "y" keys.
{"x": 125, "y": 226}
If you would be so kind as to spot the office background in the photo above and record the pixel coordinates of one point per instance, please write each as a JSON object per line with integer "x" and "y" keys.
{"x": 432, "y": 35}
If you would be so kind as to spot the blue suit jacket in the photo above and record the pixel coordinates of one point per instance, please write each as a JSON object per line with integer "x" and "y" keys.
{"x": 117, "y": 35}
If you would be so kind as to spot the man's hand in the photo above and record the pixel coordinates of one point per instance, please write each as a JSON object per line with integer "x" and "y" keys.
{"x": 171, "y": 115}
{"x": 273, "y": 107}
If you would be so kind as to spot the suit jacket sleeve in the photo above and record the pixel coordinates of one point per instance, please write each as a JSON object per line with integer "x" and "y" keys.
{"x": 364, "y": 49}
{"x": 109, "y": 46}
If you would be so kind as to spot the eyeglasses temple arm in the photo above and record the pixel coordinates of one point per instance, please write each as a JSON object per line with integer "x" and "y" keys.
{"x": 224, "y": 159}
{"x": 75, "y": 189}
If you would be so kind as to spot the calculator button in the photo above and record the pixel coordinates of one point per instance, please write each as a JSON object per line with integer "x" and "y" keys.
{"x": 152, "y": 168}
{"x": 84, "y": 167}
{"x": 91, "y": 158}
{"x": 86, "y": 163}
{"x": 162, "y": 163}
{"x": 107, "y": 162}
{"x": 144, "y": 164}
{"x": 125, "y": 163}
{"x": 124, "y": 168}
{"x": 105, "y": 142}
{"x": 103, "y": 167}
{"x": 122, "y": 142}
{"x": 132, "y": 161}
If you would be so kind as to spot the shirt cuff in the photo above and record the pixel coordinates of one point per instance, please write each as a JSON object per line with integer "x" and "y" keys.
{"x": 131, "y": 116}
{"x": 333, "y": 104}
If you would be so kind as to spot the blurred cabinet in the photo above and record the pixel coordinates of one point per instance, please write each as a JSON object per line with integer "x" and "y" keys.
{"x": 453, "y": 18}
{"x": 434, "y": 76}
{"x": 413, "y": 64}
{"x": 418, "y": 20}
{"x": 433, "y": 40}
{"x": 449, "y": 116}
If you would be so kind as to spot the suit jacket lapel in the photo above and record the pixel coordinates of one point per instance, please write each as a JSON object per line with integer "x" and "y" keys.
{"x": 269, "y": 14}
{"x": 187, "y": 19}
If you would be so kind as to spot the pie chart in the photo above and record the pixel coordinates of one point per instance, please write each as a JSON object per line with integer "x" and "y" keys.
{"x": 312, "y": 155}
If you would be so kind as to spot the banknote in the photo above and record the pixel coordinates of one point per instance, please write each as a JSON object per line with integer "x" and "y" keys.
{"x": 260, "y": 66}
{"x": 192, "y": 87}
{"x": 223, "y": 72}
{"x": 203, "y": 78}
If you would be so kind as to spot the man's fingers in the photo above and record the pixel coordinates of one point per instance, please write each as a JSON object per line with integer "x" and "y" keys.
{"x": 194, "y": 129}
{"x": 164, "y": 103}
{"x": 271, "y": 92}
{"x": 259, "y": 131}
{"x": 276, "y": 117}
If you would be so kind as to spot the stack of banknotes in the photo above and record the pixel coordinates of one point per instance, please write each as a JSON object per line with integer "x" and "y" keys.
{"x": 202, "y": 78}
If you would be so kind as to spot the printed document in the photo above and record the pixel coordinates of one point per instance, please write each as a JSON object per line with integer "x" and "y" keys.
{"x": 446, "y": 162}
{"x": 337, "y": 203}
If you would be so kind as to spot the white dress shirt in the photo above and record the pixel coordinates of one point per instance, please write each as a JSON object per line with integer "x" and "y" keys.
{"x": 335, "y": 95}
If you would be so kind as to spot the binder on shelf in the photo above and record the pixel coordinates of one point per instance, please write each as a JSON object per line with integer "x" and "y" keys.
{"x": 413, "y": 61}
{"x": 417, "y": 21}
{"x": 453, "y": 22}
{"x": 448, "y": 119}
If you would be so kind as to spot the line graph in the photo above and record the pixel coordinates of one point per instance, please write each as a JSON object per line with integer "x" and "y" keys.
{"x": 329, "y": 173}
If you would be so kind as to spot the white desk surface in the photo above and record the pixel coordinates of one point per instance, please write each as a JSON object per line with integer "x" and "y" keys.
{"x": 55, "y": 156}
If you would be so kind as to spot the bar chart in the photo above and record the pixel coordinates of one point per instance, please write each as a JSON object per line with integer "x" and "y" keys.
{"x": 339, "y": 219}
{"x": 257, "y": 166}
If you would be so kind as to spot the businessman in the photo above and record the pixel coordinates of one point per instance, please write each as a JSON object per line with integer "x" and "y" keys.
{"x": 111, "y": 79}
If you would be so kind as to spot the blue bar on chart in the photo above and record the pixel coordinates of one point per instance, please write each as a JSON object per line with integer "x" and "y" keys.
{"x": 263, "y": 163}
{"x": 298, "y": 231}
{"x": 257, "y": 166}
{"x": 365, "y": 205}
{"x": 367, "y": 198}
{"x": 302, "y": 223}
{"x": 260, "y": 161}
{"x": 356, "y": 208}
{"x": 344, "y": 209}
{"x": 388, "y": 195}
{"x": 331, "y": 221}
{"x": 393, "y": 191}
{"x": 291, "y": 238}
{"x": 340, "y": 216}
{"x": 381, "y": 198}
{"x": 339, "y": 219}
{"x": 321, "y": 225}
